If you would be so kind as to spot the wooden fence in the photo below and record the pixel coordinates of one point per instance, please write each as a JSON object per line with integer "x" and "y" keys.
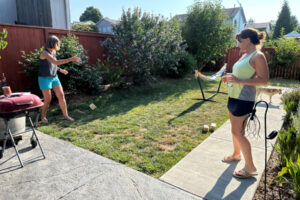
{"x": 28, "y": 38}
{"x": 234, "y": 54}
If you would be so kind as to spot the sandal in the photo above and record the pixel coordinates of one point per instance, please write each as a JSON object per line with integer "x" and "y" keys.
{"x": 45, "y": 120}
{"x": 69, "y": 118}
{"x": 243, "y": 174}
{"x": 230, "y": 159}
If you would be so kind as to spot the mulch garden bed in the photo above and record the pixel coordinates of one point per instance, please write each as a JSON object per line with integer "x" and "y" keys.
{"x": 274, "y": 191}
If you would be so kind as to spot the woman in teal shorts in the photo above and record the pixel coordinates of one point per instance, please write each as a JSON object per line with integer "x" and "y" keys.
{"x": 248, "y": 72}
{"x": 48, "y": 78}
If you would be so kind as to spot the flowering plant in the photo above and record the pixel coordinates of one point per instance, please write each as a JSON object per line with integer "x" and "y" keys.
{"x": 145, "y": 45}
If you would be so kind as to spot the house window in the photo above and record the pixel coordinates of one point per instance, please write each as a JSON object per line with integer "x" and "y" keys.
{"x": 235, "y": 22}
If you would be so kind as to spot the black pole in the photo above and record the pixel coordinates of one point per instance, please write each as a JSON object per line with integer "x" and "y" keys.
{"x": 267, "y": 106}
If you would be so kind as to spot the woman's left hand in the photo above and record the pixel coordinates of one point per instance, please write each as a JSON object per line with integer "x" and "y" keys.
{"x": 65, "y": 72}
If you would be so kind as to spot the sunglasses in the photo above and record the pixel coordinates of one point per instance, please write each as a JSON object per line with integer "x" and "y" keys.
{"x": 238, "y": 38}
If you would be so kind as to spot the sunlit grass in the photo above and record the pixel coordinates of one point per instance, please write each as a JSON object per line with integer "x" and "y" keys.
{"x": 147, "y": 128}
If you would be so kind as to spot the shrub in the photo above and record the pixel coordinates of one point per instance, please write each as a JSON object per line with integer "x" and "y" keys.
{"x": 112, "y": 74}
{"x": 144, "y": 45}
{"x": 288, "y": 145}
{"x": 31, "y": 63}
{"x": 3, "y": 36}
{"x": 290, "y": 101}
{"x": 186, "y": 64}
{"x": 85, "y": 27}
{"x": 286, "y": 52}
{"x": 81, "y": 78}
{"x": 293, "y": 169}
{"x": 296, "y": 119}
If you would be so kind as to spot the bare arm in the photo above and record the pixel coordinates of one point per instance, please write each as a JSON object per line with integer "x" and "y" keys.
{"x": 51, "y": 59}
{"x": 259, "y": 63}
{"x": 262, "y": 71}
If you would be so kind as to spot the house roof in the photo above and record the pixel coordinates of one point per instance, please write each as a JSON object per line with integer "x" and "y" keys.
{"x": 180, "y": 17}
{"x": 292, "y": 34}
{"x": 112, "y": 21}
{"x": 231, "y": 12}
{"x": 258, "y": 25}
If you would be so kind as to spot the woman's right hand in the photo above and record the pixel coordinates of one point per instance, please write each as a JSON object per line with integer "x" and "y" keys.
{"x": 224, "y": 78}
{"x": 76, "y": 59}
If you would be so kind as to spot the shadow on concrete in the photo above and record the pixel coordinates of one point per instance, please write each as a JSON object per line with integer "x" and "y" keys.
{"x": 18, "y": 166}
{"x": 240, "y": 191}
{"x": 270, "y": 106}
{"x": 218, "y": 191}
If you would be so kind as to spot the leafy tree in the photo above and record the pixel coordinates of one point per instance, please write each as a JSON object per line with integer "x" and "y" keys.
{"x": 92, "y": 14}
{"x": 3, "y": 43}
{"x": 284, "y": 21}
{"x": 251, "y": 21}
{"x": 294, "y": 22}
{"x": 145, "y": 45}
{"x": 85, "y": 27}
{"x": 206, "y": 32}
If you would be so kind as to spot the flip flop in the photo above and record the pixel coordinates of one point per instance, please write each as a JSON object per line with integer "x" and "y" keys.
{"x": 69, "y": 119}
{"x": 229, "y": 159}
{"x": 45, "y": 121}
{"x": 242, "y": 174}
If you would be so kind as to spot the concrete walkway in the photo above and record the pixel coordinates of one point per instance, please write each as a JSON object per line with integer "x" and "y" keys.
{"x": 203, "y": 173}
{"x": 69, "y": 172}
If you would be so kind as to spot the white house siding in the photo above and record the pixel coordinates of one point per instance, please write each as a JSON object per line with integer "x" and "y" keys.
{"x": 238, "y": 22}
{"x": 60, "y": 14}
{"x": 8, "y": 11}
{"x": 105, "y": 27}
{"x": 268, "y": 30}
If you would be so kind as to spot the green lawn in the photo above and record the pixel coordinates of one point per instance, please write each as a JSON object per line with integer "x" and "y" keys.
{"x": 284, "y": 82}
{"x": 147, "y": 128}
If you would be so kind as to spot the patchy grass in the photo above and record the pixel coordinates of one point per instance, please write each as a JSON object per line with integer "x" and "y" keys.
{"x": 148, "y": 128}
{"x": 284, "y": 82}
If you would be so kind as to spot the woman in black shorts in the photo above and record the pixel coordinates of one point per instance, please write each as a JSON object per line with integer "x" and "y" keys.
{"x": 249, "y": 71}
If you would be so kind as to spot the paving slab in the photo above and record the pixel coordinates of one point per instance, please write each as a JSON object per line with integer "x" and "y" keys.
{"x": 203, "y": 173}
{"x": 72, "y": 173}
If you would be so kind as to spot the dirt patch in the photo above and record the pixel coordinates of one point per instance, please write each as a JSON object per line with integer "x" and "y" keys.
{"x": 77, "y": 99}
{"x": 276, "y": 191}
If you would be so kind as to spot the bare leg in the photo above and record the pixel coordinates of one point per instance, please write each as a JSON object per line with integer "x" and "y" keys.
{"x": 236, "y": 146}
{"x": 59, "y": 92}
{"x": 47, "y": 101}
{"x": 238, "y": 132}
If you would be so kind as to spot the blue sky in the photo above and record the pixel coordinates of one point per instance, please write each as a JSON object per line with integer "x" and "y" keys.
{"x": 259, "y": 10}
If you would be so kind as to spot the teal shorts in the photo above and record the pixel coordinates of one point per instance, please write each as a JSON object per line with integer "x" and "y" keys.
{"x": 47, "y": 83}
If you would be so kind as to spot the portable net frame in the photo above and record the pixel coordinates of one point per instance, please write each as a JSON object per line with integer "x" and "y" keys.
{"x": 213, "y": 77}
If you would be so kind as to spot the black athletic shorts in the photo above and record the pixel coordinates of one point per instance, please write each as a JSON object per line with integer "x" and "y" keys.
{"x": 239, "y": 108}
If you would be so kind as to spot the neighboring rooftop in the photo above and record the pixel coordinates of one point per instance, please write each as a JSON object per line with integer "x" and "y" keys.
{"x": 112, "y": 21}
{"x": 231, "y": 12}
{"x": 258, "y": 25}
